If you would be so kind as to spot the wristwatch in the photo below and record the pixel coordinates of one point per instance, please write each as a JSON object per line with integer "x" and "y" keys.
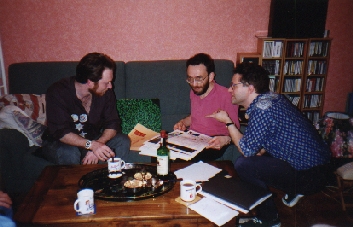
{"x": 227, "y": 124}
{"x": 88, "y": 144}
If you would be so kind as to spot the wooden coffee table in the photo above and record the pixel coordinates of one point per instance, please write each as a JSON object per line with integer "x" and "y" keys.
{"x": 50, "y": 202}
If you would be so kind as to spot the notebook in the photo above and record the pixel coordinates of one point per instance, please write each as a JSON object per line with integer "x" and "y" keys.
{"x": 236, "y": 193}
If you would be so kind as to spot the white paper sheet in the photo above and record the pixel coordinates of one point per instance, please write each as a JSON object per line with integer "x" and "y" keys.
{"x": 198, "y": 172}
{"x": 214, "y": 211}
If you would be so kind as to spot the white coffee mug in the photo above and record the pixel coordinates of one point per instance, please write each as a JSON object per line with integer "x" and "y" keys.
{"x": 84, "y": 203}
{"x": 189, "y": 189}
{"x": 115, "y": 165}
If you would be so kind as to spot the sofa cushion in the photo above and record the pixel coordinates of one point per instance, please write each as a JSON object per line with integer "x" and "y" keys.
{"x": 33, "y": 105}
{"x": 12, "y": 117}
{"x": 144, "y": 111}
{"x": 165, "y": 80}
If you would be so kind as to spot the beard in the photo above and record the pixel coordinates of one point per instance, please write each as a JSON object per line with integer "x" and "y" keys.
{"x": 94, "y": 91}
{"x": 202, "y": 90}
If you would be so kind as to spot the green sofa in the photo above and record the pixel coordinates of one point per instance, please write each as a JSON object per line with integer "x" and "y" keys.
{"x": 163, "y": 80}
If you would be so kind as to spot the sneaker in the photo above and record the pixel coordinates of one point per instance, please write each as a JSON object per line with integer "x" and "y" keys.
{"x": 257, "y": 222}
{"x": 290, "y": 201}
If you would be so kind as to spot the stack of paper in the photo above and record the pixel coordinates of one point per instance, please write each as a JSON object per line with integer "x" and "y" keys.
{"x": 198, "y": 172}
{"x": 182, "y": 144}
{"x": 214, "y": 211}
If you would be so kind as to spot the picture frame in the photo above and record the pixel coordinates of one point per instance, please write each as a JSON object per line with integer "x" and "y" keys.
{"x": 249, "y": 57}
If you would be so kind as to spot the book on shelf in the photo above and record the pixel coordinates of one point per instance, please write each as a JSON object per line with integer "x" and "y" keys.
{"x": 293, "y": 67}
{"x": 314, "y": 84}
{"x": 235, "y": 193}
{"x": 292, "y": 84}
{"x": 273, "y": 83}
{"x": 316, "y": 67}
{"x": 295, "y": 49}
{"x": 312, "y": 101}
{"x": 319, "y": 49}
{"x": 272, "y": 49}
{"x": 293, "y": 99}
{"x": 313, "y": 116}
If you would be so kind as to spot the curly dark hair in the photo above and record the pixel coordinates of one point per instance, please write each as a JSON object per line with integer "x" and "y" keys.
{"x": 202, "y": 59}
{"x": 253, "y": 74}
{"x": 91, "y": 67}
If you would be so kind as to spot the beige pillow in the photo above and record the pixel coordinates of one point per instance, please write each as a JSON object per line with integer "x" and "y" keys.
{"x": 346, "y": 171}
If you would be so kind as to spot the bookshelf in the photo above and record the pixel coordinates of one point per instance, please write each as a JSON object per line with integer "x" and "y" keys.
{"x": 272, "y": 60}
{"x": 315, "y": 77}
{"x": 298, "y": 70}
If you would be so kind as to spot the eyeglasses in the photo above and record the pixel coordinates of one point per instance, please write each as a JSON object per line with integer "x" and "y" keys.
{"x": 198, "y": 80}
{"x": 234, "y": 85}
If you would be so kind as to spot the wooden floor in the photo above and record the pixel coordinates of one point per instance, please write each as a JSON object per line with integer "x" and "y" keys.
{"x": 320, "y": 208}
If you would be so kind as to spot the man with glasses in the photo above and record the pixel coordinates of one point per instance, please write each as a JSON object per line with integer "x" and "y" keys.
{"x": 295, "y": 156}
{"x": 206, "y": 97}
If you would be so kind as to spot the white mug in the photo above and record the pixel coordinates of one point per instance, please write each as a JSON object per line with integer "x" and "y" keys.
{"x": 84, "y": 203}
{"x": 115, "y": 165}
{"x": 188, "y": 190}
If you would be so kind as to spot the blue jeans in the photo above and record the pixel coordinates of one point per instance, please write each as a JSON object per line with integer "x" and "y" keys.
{"x": 6, "y": 217}
{"x": 266, "y": 171}
{"x": 63, "y": 154}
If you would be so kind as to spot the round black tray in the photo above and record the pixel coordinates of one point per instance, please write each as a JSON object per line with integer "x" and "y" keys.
{"x": 113, "y": 189}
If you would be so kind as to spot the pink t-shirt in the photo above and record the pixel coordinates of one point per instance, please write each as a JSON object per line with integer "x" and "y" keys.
{"x": 218, "y": 98}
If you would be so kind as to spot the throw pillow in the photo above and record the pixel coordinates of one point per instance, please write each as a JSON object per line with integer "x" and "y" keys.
{"x": 12, "y": 117}
{"x": 144, "y": 111}
{"x": 33, "y": 105}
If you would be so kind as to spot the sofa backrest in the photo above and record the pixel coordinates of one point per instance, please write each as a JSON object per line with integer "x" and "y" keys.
{"x": 36, "y": 77}
{"x": 165, "y": 80}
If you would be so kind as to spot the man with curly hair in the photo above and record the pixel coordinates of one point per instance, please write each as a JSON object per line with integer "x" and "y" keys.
{"x": 280, "y": 147}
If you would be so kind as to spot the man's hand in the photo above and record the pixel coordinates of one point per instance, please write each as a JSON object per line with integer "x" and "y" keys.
{"x": 261, "y": 152}
{"x": 90, "y": 158}
{"x": 180, "y": 125}
{"x": 101, "y": 151}
{"x": 5, "y": 200}
{"x": 221, "y": 116}
{"x": 218, "y": 142}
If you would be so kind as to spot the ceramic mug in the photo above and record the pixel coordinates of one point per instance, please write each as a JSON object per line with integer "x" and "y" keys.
{"x": 115, "y": 165}
{"x": 189, "y": 190}
{"x": 84, "y": 203}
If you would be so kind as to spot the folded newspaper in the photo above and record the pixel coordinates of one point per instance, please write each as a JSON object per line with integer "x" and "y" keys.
{"x": 140, "y": 134}
{"x": 182, "y": 144}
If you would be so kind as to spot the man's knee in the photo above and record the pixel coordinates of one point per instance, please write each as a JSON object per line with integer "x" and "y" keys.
{"x": 240, "y": 163}
{"x": 121, "y": 145}
{"x": 62, "y": 154}
{"x": 119, "y": 140}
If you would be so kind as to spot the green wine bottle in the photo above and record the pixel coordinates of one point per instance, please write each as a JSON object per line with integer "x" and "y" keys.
{"x": 163, "y": 159}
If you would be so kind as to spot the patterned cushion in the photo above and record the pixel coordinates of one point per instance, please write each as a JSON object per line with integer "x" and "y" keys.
{"x": 33, "y": 105}
{"x": 12, "y": 117}
{"x": 144, "y": 111}
{"x": 337, "y": 130}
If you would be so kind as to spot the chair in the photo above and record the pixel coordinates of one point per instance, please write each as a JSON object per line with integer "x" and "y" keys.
{"x": 344, "y": 176}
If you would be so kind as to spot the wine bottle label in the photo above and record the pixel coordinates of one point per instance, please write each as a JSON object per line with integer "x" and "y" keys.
{"x": 162, "y": 165}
